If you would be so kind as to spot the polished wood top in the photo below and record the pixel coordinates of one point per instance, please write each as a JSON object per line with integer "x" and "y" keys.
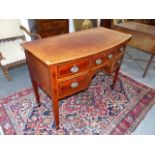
{"x": 75, "y": 45}
{"x": 139, "y": 27}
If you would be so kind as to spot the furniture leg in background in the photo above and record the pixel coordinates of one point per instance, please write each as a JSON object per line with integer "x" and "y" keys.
{"x": 149, "y": 63}
{"x": 5, "y": 72}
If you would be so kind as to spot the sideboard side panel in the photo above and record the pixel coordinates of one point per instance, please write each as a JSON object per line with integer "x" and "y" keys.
{"x": 39, "y": 72}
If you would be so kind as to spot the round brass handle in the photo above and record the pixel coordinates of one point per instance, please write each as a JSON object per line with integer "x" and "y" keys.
{"x": 74, "y": 69}
{"x": 74, "y": 84}
{"x": 110, "y": 56}
{"x": 98, "y": 61}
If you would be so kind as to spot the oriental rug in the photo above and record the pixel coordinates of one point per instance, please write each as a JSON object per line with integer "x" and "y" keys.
{"x": 97, "y": 110}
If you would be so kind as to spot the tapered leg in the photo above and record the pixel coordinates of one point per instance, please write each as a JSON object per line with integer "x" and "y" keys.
{"x": 55, "y": 95}
{"x": 36, "y": 92}
{"x": 56, "y": 111}
{"x": 6, "y": 73}
{"x": 147, "y": 67}
{"x": 115, "y": 78}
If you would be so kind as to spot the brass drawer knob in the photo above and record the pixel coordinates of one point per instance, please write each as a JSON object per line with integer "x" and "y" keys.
{"x": 110, "y": 56}
{"x": 98, "y": 61}
{"x": 74, "y": 69}
{"x": 74, "y": 84}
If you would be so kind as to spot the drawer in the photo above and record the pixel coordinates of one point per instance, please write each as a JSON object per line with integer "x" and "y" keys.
{"x": 73, "y": 85}
{"x": 103, "y": 58}
{"x": 115, "y": 52}
{"x": 73, "y": 67}
{"x": 114, "y": 64}
{"x": 117, "y": 61}
{"x": 106, "y": 57}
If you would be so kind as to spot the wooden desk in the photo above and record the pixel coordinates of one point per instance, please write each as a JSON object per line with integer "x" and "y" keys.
{"x": 143, "y": 38}
{"x": 65, "y": 64}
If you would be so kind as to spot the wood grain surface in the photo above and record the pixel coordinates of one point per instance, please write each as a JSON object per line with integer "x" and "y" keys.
{"x": 76, "y": 45}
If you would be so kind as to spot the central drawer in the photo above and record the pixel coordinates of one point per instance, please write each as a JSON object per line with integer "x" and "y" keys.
{"x": 72, "y": 86}
{"x": 73, "y": 67}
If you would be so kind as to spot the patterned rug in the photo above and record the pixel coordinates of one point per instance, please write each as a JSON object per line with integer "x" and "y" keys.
{"x": 97, "y": 110}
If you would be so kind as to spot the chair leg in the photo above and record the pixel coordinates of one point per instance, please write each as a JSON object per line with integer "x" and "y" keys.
{"x": 6, "y": 73}
{"x": 147, "y": 67}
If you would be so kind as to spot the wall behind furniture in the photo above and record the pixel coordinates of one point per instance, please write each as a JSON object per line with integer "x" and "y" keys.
{"x": 24, "y": 22}
{"x": 71, "y": 26}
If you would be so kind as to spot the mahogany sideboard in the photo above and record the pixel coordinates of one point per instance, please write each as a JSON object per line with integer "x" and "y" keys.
{"x": 65, "y": 64}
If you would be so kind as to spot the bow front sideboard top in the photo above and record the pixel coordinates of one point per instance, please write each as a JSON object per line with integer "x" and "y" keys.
{"x": 65, "y": 64}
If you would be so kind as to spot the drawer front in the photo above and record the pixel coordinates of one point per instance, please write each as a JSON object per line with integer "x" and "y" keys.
{"x": 103, "y": 58}
{"x": 117, "y": 61}
{"x": 114, "y": 64}
{"x": 98, "y": 59}
{"x": 106, "y": 57}
{"x": 73, "y": 67}
{"x": 73, "y": 85}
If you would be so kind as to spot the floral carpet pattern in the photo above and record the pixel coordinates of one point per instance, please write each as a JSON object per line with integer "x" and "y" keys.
{"x": 97, "y": 110}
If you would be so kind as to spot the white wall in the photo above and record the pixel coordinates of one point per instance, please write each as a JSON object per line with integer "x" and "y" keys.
{"x": 71, "y": 26}
{"x": 24, "y": 22}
